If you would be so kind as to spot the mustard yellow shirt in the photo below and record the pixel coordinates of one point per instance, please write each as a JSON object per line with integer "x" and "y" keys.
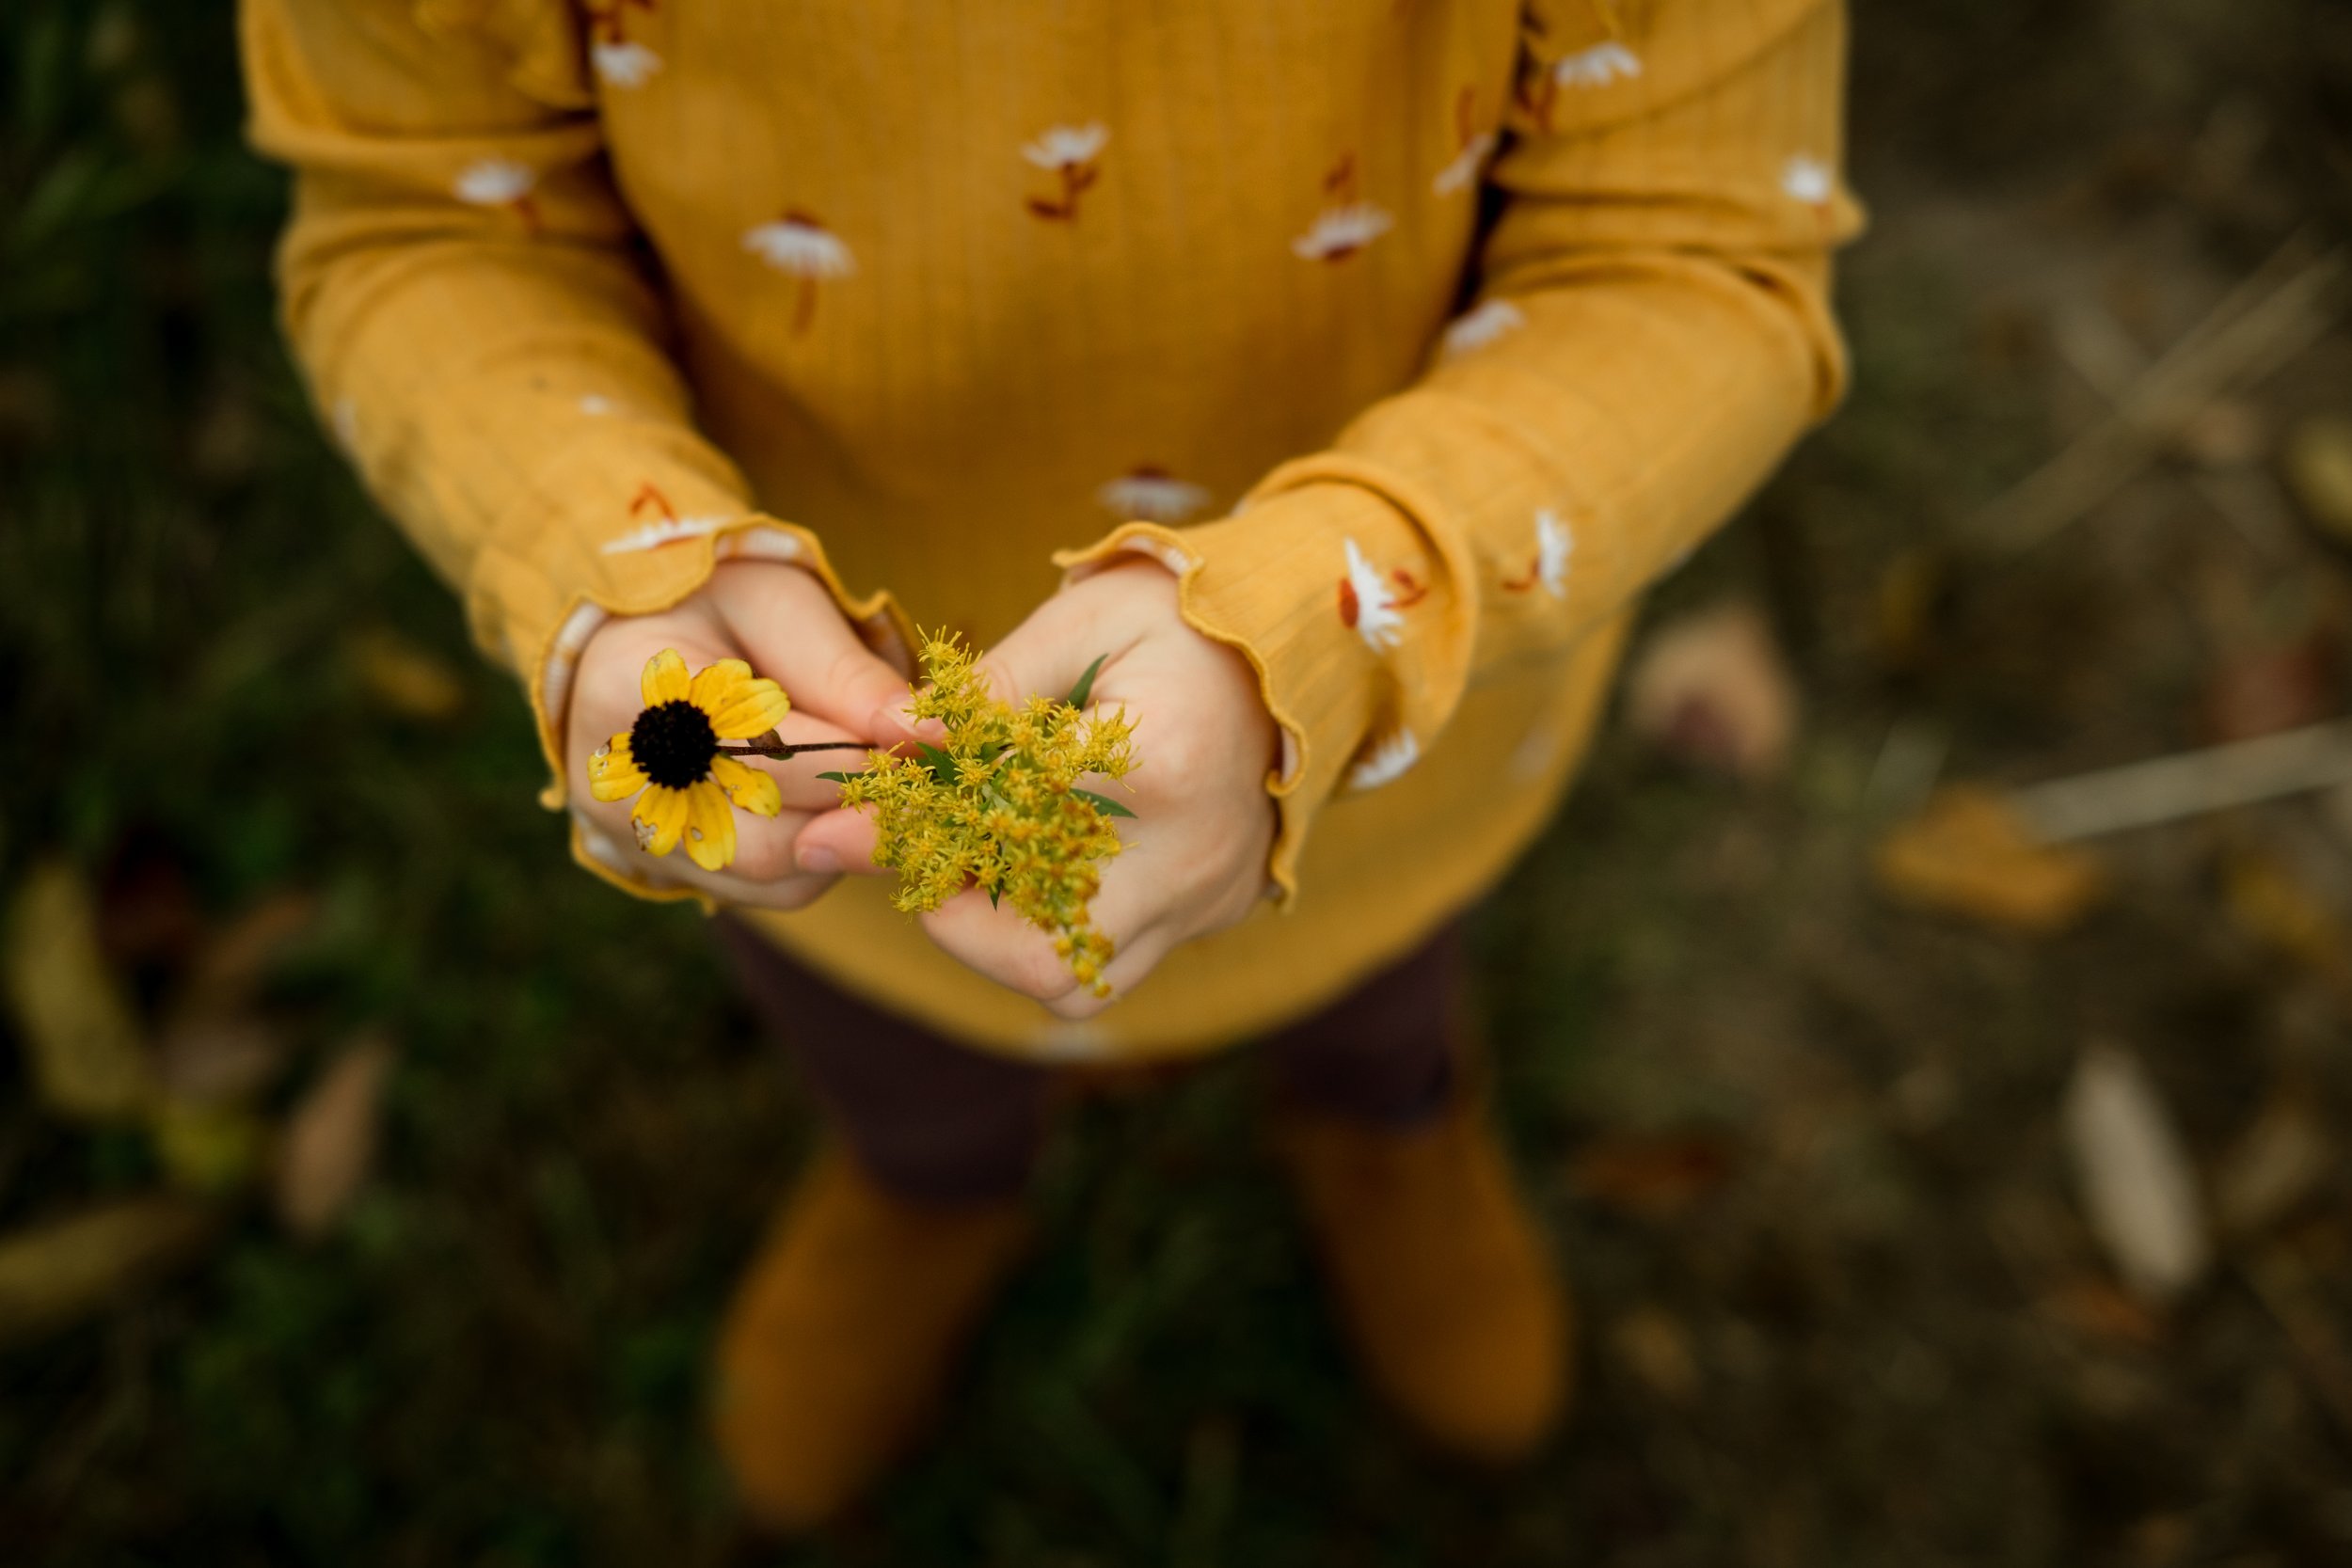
{"x": 1416, "y": 336}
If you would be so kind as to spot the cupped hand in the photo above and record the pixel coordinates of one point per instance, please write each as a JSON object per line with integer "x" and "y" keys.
{"x": 1193, "y": 856}
{"x": 780, "y": 619}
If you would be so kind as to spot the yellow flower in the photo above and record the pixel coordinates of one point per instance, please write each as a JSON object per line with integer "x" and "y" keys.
{"x": 672, "y": 753}
{"x": 998, "y": 805}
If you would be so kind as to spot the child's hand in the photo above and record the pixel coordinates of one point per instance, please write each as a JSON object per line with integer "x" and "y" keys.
{"x": 781, "y": 621}
{"x": 1196, "y": 856}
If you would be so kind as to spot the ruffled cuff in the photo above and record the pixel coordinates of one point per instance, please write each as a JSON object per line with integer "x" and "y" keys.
{"x": 553, "y": 577}
{"x": 1317, "y": 587}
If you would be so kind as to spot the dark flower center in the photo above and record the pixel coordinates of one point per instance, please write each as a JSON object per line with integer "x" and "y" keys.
{"x": 673, "y": 743}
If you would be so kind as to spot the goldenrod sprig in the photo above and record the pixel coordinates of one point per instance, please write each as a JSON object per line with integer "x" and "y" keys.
{"x": 997, "y": 804}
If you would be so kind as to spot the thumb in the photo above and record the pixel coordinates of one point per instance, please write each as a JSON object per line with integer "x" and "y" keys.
{"x": 789, "y": 627}
{"x": 1050, "y": 653}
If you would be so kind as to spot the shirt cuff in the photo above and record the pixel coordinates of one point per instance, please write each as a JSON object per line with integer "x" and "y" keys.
{"x": 1307, "y": 584}
{"x": 622, "y": 536}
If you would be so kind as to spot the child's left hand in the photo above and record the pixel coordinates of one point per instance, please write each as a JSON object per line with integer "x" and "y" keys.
{"x": 1194, "y": 857}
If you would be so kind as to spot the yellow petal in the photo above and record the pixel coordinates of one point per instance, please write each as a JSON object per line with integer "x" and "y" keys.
{"x": 748, "y": 787}
{"x": 709, "y": 826}
{"x": 660, "y": 818}
{"x": 665, "y": 678}
{"x": 758, "y": 707}
{"x": 717, "y": 686}
{"x": 612, "y": 773}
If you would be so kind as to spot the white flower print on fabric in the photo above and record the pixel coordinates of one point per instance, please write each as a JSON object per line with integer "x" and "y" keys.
{"x": 1478, "y": 327}
{"x": 1368, "y": 606}
{"x": 598, "y": 406}
{"x": 1473, "y": 143}
{"x": 1807, "y": 179}
{"x": 1340, "y": 232}
{"x": 1153, "y": 495}
{"x": 805, "y": 248}
{"x": 666, "y": 526}
{"x": 1065, "y": 146}
{"x": 624, "y": 65}
{"x": 1346, "y": 226}
{"x": 1387, "y": 762}
{"x": 618, "y": 62}
{"x": 1553, "y": 544}
{"x": 663, "y": 530}
{"x": 1549, "y": 570}
{"x": 1603, "y": 63}
{"x": 1462, "y": 173}
{"x": 1069, "y": 153}
{"x": 499, "y": 182}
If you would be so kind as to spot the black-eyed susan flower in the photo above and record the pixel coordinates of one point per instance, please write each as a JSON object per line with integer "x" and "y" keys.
{"x": 691, "y": 786}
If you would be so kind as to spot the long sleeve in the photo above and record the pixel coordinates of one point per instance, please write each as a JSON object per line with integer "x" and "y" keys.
{"x": 469, "y": 299}
{"x": 1650, "y": 334}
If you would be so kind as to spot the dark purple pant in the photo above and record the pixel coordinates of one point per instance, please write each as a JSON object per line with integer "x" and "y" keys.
{"x": 933, "y": 1119}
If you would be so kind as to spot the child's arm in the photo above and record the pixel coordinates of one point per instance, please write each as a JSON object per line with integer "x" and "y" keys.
{"x": 1651, "y": 333}
{"x": 462, "y": 289}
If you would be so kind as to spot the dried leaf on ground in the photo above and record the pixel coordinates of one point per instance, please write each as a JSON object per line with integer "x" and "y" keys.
{"x": 1969, "y": 853}
{"x": 2319, "y": 471}
{"x": 2282, "y": 1161}
{"x": 220, "y": 1061}
{"x": 1656, "y": 1348}
{"x": 211, "y": 1151}
{"x": 2272, "y": 689}
{"x": 2271, "y": 904}
{"x": 1656, "y": 1177}
{"x": 56, "y": 1272}
{"x": 2095, "y": 1309}
{"x": 405, "y": 678}
{"x": 231, "y": 969}
{"x": 1712, "y": 689}
{"x": 2137, "y": 1189}
{"x": 1913, "y": 595}
{"x": 330, "y": 1138}
{"x": 88, "y": 1063}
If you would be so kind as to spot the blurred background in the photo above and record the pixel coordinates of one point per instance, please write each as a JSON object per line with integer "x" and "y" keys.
{"x": 1952, "y": 1167}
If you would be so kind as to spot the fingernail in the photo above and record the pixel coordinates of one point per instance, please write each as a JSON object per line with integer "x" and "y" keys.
{"x": 817, "y": 860}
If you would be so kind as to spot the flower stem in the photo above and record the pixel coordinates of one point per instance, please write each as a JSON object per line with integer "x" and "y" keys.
{"x": 767, "y": 746}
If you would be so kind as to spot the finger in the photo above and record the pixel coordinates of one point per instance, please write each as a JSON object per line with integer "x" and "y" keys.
{"x": 1000, "y": 945}
{"x": 838, "y": 841}
{"x": 1129, "y": 968}
{"x": 1048, "y": 654}
{"x": 793, "y": 634}
{"x": 997, "y": 942}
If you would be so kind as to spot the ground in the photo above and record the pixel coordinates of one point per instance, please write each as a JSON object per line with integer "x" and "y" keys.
{"x": 1800, "y": 1143}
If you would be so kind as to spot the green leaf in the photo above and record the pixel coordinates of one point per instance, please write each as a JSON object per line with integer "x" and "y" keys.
{"x": 1085, "y": 688}
{"x": 1104, "y": 803}
{"x": 942, "y": 766}
{"x": 835, "y": 778}
{"x": 993, "y": 895}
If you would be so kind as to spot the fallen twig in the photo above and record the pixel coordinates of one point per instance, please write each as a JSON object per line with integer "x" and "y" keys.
{"x": 2166, "y": 789}
{"x": 2254, "y": 330}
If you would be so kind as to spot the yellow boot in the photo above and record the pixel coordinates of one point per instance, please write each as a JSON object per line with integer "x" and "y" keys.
{"x": 1442, "y": 1277}
{"x": 843, "y": 1332}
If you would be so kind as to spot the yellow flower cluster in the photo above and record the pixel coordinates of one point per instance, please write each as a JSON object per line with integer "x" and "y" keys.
{"x": 999, "y": 806}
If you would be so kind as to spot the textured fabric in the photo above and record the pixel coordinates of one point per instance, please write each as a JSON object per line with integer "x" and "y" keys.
{"x": 1417, "y": 335}
{"x": 936, "y": 1121}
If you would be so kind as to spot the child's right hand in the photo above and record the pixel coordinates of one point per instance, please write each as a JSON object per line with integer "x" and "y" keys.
{"x": 781, "y": 621}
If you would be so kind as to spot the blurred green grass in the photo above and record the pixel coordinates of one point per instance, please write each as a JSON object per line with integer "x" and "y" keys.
{"x": 498, "y": 1358}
